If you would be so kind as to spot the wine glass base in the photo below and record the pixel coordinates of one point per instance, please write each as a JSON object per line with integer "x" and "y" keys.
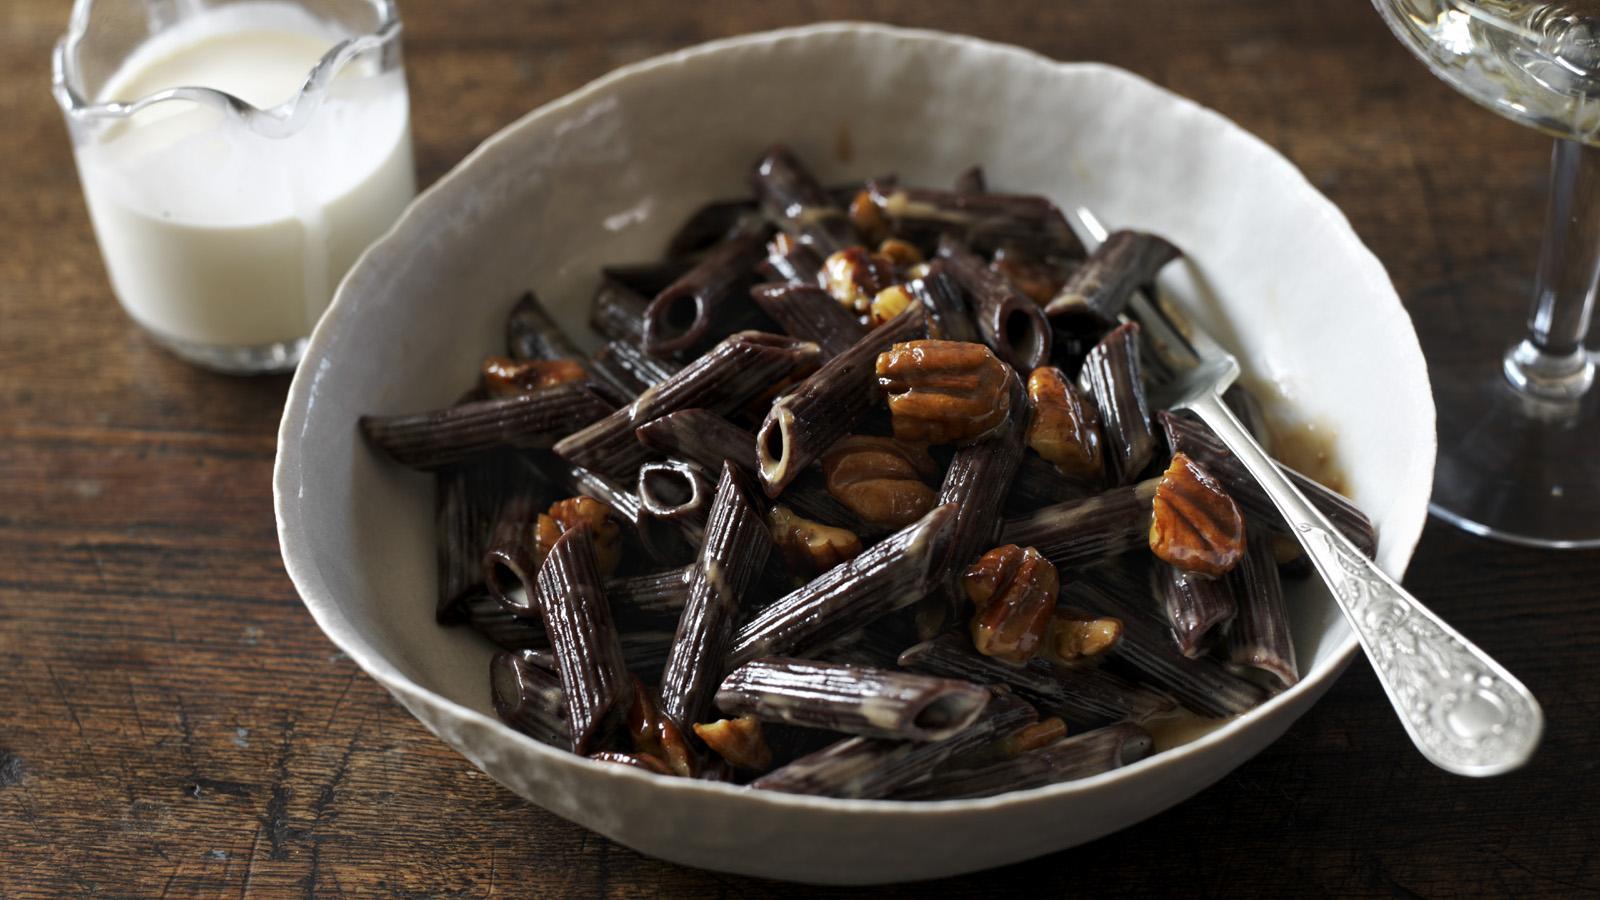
{"x": 1520, "y": 470}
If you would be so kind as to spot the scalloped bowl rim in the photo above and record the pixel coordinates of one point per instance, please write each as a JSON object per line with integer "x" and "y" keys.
{"x": 325, "y": 610}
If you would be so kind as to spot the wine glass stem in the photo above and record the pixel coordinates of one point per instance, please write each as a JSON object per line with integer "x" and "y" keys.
{"x": 1551, "y": 363}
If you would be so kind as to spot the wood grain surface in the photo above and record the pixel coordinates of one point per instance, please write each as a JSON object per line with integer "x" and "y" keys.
{"x": 172, "y": 722}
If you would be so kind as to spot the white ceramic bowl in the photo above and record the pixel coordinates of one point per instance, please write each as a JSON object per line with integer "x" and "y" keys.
{"x": 603, "y": 174}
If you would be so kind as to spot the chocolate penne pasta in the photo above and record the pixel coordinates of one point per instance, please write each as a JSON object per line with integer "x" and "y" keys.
{"x": 630, "y": 369}
{"x": 793, "y": 199}
{"x": 1198, "y": 608}
{"x": 1080, "y": 756}
{"x": 645, "y": 652}
{"x": 701, "y": 437}
{"x": 531, "y": 333}
{"x": 644, "y": 641}
{"x": 607, "y": 372}
{"x": 1100, "y": 288}
{"x": 1259, "y": 638}
{"x": 529, "y": 698}
{"x": 1050, "y": 566}
{"x": 1190, "y": 436}
{"x": 789, "y": 743}
{"x": 1147, "y": 649}
{"x": 737, "y": 370}
{"x": 1012, "y": 325}
{"x": 675, "y": 491}
{"x": 971, "y": 181}
{"x": 1083, "y": 695}
{"x": 616, "y": 311}
{"x": 810, "y": 313}
{"x": 892, "y": 574}
{"x": 868, "y": 768}
{"x": 676, "y": 497}
{"x": 707, "y": 439}
{"x": 1069, "y": 348}
{"x": 536, "y": 419}
{"x": 1039, "y": 483}
{"x": 589, "y": 659}
{"x": 708, "y": 297}
{"x": 1032, "y": 736}
{"x": 788, "y": 260}
{"x": 540, "y": 658}
{"x": 580, "y": 482}
{"x": 1038, "y": 278}
{"x": 1254, "y": 418}
{"x": 668, "y": 543}
{"x": 807, "y": 420}
{"x": 977, "y": 482}
{"x": 870, "y": 646}
{"x": 1111, "y": 377}
{"x": 1079, "y": 532}
{"x": 857, "y": 700}
{"x": 467, "y": 502}
{"x": 511, "y": 562}
{"x": 707, "y": 226}
{"x": 652, "y": 600}
{"x": 736, "y": 547}
{"x": 504, "y": 628}
{"x": 983, "y": 220}
{"x": 943, "y": 304}
{"x": 648, "y": 279}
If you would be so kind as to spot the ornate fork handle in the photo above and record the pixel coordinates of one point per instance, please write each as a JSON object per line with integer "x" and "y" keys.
{"x": 1464, "y": 711}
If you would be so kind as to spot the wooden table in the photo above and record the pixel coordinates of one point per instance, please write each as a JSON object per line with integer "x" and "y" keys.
{"x": 171, "y": 720}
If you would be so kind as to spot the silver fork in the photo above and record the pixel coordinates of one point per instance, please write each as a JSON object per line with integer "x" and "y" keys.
{"x": 1463, "y": 710}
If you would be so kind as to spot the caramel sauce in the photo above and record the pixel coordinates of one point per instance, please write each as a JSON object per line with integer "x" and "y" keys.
{"x": 1303, "y": 444}
{"x": 1179, "y": 728}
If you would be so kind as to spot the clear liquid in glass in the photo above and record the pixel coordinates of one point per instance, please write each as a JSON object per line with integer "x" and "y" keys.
{"x": 1535, "y": 62}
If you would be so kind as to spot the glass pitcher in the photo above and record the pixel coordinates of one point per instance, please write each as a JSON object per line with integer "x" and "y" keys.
{"x": 237, "y": 156}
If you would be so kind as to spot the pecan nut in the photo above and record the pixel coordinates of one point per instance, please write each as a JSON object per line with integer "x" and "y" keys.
{"x": 505, "y": 377}
{"x": 944, "y": 391}
{"x": 880, "y": 479}
{"x": 653, "y": 733}
{"x": 890, "y": 302}
{"x": 1194, "y": 525}
{"x": 810, "y": 547}
{"x": 738, "y": 741}
{"x": 1014, "y": 590}
{"x": 900, "y": 254}
{"x": 855, "y": 275}
{"x": 566, "y": 514}
{"x": 1074, "y": 635}
{"x": 1065, "y": 430}
{"x": 867, "y": 218}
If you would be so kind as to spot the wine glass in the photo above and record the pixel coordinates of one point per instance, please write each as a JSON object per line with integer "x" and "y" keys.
{"x": 1519, "y": 442}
